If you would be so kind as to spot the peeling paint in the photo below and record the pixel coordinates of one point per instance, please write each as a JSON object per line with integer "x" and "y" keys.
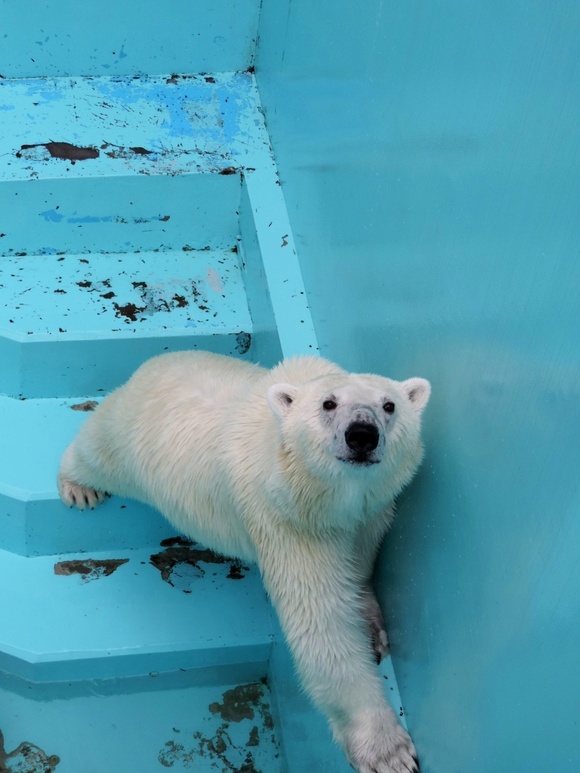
{"x": 235, "y": 745}
{"x": 26, "y": 758}
{"x": 90, "y": 568}
{"x": 240, "y": 703}
{"x": 88, "y": 405}
{"x": 179, "y": 563}
{"x": 62, "y": 150}
{"x": 243, "y": 342}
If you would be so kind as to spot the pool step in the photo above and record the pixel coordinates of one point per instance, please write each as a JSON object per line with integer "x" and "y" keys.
{"x": 144, "y": 725}
{"x": 113, "y": 614}
{"x": 73, "y": 324}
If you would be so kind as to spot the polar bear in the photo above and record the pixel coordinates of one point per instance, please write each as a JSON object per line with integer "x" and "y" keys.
{"x": 295, "y": 468}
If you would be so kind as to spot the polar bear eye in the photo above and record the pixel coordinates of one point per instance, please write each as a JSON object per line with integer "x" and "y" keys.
{"x": 329, "y": 405}
{"x": 389, "y": 407}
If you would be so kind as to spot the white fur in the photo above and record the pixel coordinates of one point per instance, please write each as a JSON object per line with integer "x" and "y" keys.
{"x": 251, "y": 463}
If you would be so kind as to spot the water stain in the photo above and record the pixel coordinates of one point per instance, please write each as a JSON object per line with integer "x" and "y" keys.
{"x": 180, "y": 562}
{"x": 90, "y": 568}
{"x": 26, "y": 758}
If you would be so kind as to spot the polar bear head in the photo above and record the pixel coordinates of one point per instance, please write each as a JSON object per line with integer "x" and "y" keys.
{"x": 353, "y": 422}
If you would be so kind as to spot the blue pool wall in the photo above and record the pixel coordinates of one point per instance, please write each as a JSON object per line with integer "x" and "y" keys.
{"x": 429, "y": 158}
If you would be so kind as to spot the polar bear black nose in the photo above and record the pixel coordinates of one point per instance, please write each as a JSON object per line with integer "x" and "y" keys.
{"x": 362, "y": 437}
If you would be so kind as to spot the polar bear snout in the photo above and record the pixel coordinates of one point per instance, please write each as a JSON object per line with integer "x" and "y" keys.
{"x": 362, "y": 444}
{"x": 362, "y": 437}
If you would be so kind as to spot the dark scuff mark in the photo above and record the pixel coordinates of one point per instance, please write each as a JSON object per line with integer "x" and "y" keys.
{"x": 284, "y": 241}
{"x": 243, "y": 342}
{"x": 141, "y": 151}
{"x": 89, "y": 405}
{"x": 64, "y": 151}
{"x": 229, "y": 170}
{"x": 180, "y": 552}
{"x": 26, "y": 758}
{"x": 90, "y": 568}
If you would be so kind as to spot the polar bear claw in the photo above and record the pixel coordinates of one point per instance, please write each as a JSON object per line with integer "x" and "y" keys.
{"x": 81, "y": 497}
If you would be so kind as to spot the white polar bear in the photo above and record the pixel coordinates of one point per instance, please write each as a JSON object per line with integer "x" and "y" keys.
{"x": 295, "y": 468}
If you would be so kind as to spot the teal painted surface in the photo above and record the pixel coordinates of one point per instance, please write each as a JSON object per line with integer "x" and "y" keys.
{"x": 429, "y": 159}
{"x": 57, "y": 37}
{"x": 182, "y": 725}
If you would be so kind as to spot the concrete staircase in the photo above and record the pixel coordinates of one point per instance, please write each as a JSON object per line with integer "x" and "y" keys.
{"x": 141, "y": 213}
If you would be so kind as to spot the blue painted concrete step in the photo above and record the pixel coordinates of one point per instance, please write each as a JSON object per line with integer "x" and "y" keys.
{"x": 73, "y": 324}
{"x": 33, "y": 520}
{"x": 126, "y": 613}
{"x": 81, "y": 127}
{"x": 145, "y": 725}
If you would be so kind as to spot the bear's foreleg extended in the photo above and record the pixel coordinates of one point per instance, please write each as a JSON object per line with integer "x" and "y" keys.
{"x": 368, "y": 540}
{"x": 313, "y": 582}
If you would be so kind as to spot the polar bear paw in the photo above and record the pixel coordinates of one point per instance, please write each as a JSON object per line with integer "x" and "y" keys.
{"x": 83, "y": 497}
{"x": 376, "y": 743}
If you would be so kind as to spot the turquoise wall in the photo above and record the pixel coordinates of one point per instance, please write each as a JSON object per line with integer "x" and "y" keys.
{"x": 429, "y": 157}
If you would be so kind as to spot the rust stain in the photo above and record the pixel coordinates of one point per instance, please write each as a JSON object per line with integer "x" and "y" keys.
{"x": 89, "y": 568}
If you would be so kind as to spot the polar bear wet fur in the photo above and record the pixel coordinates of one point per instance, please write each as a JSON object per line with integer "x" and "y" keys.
{"x": 295, "y": 468}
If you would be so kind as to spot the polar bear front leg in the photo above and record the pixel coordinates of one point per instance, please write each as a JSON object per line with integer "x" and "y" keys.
{"x": 367, "y": 543}
{"x": 373, "y": 615}
{"x": 73, "y": 487}
{"x": 312, "y": 581}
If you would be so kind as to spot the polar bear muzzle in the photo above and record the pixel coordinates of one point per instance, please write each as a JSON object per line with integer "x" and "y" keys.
{"x": 362, "y": 439}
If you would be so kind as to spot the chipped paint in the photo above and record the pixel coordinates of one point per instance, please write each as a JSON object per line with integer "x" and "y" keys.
{"x": 26, "y": 758}
{"x": 241, "y": 743}
{"x": 243, "y": 342}
{"x": 88, "y": 405}
{"x": 89, "y": 568}
{"x": 242, "y": 703}
{"x": 179, "y": 563}
{"x": 63, "y": 150}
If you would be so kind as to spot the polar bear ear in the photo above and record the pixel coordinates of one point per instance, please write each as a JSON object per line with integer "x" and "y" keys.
{"x": 280, "y": 398}
{"x": 418, "y": 391}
